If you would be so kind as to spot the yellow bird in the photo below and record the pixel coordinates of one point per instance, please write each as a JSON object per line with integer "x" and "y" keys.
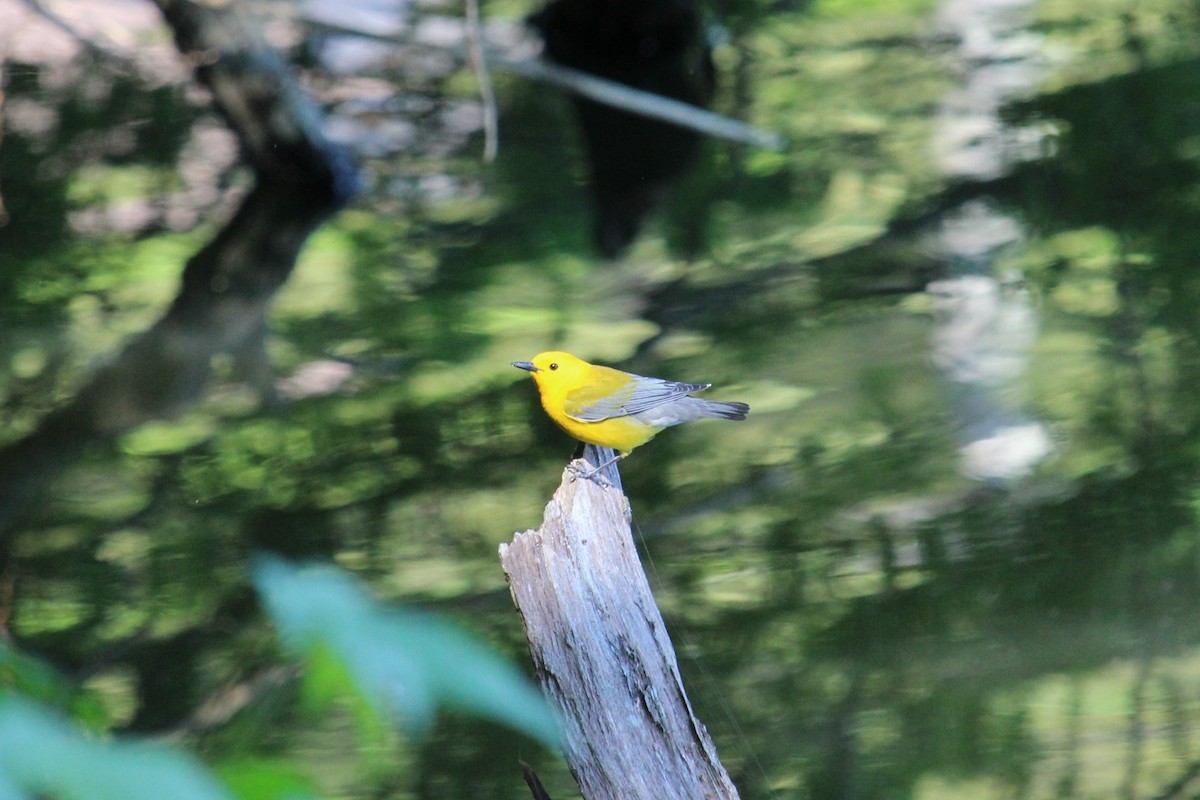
{"x": 607, "y": 407}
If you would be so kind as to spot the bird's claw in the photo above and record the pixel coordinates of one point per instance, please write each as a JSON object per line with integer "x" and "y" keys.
{"x": 587, "y": 474}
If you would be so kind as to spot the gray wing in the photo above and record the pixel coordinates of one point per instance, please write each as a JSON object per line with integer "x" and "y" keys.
{"x": 645, "y": 394}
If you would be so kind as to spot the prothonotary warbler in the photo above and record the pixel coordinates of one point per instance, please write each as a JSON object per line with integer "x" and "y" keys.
{"x": 607, "y": 407}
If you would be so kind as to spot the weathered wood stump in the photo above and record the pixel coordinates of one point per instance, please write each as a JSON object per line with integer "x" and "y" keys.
{"x": 602, "y": 652}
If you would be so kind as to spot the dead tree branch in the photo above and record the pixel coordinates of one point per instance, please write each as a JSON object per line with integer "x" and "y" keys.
{"x": 602, "y": 651}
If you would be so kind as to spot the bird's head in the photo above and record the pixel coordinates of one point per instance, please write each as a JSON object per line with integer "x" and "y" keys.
{"x": 556, "y": 368}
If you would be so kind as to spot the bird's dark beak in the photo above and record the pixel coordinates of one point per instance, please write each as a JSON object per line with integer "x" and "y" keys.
{"x": 526, "y": 365}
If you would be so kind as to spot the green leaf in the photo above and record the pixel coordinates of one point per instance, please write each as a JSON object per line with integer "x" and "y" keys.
{"x": 327, "y": 680}
{"x": 40, "y": 754}
{"x": 403, "y": 662}
{"x": 31, "y": 677}
{"x": 35, "y": 679}
{"x": 9, "y": 791}
{"x": 265, "y": 779}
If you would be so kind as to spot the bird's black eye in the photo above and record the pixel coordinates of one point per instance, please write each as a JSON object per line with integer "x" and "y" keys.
{"x": 554, "y": 366}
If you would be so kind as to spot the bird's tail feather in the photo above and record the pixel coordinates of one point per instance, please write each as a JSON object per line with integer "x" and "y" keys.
{"x": 689, "y": 408}
{"x": 724, "y": 410}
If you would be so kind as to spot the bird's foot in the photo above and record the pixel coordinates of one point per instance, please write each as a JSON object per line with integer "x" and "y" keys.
{"x": 579, "y": 470}
{"x": 592, "y": 474}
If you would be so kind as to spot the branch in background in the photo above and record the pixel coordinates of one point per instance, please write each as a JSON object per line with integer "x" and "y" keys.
{"x": 602, "y": 90}
{"x": 301, "y": 178}
{"x": 646, "y": 104}
{"x": 225, "y": 703}
{"x": 254, "y": 89}
{"x": 533, "y": 782}
{"x": 491, "y": 124}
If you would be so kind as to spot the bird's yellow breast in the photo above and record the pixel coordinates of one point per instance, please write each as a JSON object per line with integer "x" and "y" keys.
{"x": 620, "y": 433}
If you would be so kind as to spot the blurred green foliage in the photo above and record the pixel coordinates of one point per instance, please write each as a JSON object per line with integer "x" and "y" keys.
{"x": 400, "y": 662}
{"x": 391, "y": 665}
{"x": 41, "y": 756}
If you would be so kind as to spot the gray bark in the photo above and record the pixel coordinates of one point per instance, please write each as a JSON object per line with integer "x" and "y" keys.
{"x": 602, "y": 652}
